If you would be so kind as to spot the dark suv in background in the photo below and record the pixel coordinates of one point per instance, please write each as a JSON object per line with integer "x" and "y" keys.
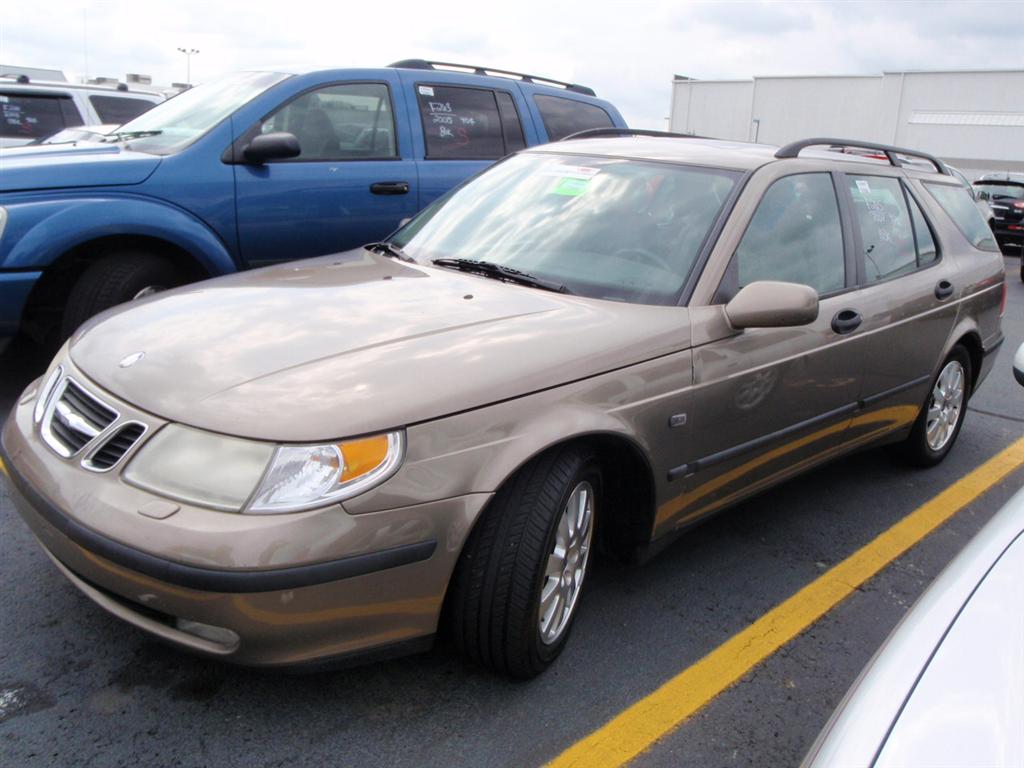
{"x": 1004, "y": 193}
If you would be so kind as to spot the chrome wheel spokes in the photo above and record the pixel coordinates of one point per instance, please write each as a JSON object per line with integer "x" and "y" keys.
{"x": 567, "y": 563}
{"x": 945, "y": 405}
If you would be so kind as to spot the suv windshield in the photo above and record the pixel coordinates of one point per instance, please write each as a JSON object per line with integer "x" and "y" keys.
{"x": 176, "y": 123}
{"x": 607, "y": 228}
{"x": 995, "y": 191}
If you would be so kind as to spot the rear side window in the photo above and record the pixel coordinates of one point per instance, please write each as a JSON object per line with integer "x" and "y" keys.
{"x": 30, "y": 116}
{"x": 795, "y": 236}
{"x": 511, "y": 127}
{"x": 965, "y": 214}
{"x": 463, "y": 123}
{"x": 891, "y": 244}
{"x": 118, "y": 110}
{"x": 350, "y": 121}
{"x": 563, "y": 117}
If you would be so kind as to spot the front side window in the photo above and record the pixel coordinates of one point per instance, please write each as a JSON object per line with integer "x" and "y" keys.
{"x": 795, "y": 236}
{"x": 605, "y": 228}
{"x": 563, "y": 117}
{"x": 461, "y": 123}
{"x": 351, "y": 121}
{"x": 30, "y": 116}
{"x": 117, "y": 110}
{"x": 965, "y": 214}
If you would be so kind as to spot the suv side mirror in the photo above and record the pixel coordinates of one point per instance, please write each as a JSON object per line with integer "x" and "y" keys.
{"x": 771, "y": 304}
{"x": 1018, "y": 365}
{"x": 272, "y": 146}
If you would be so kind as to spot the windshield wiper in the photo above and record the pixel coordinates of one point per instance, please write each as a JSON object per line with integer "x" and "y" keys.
{"x": 388, "y": 249}
{"x": 126, "y": 135}
{"x": 500, "y": 272}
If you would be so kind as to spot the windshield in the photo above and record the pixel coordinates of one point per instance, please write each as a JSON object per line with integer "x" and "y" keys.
{"x": 999, "y": 191}
{"x": 178, "y": 122}
{"x": 624, "y": 230}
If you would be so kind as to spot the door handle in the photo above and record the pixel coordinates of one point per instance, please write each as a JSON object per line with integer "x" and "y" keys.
{"x": 390, "y": 188}
{"x": 846, "y": 320}
{"x": 943, "y": 290}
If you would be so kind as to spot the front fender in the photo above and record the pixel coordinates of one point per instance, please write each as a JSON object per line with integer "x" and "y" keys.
{"x": 41, "y": 231}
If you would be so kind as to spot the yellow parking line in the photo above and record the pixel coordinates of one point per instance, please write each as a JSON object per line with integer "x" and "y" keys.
{"x": 638, "y": 727}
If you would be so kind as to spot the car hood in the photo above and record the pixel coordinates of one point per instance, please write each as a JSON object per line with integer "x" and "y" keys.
{"x": 58, "y": 166}
{"x": 357, "y": 343}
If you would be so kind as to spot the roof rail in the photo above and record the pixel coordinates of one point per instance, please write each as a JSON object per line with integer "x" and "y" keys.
{"x": 891, "y": 153}
{"x": 475, "y": 70}
{"x": 595, "y": 133}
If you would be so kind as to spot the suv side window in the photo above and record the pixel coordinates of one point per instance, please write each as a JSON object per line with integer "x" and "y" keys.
{"x": 351, "y": 121}
{"x": 795, "y": 235}
{"x": 563, "y": 117}
{"x": 892, "y": 244}
{"x": 511, "y": 126}
{"x": 31, "y": 116}
{"x": 461, "y": 123}
{"x": 119, "y": 109}
{"x": 956, "y": 202}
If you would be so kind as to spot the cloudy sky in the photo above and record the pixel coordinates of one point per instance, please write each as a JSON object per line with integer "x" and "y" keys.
{"x": 627, "y": 52}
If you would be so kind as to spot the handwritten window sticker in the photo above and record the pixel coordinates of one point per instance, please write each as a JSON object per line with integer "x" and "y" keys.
{"x": 425, "y": 90}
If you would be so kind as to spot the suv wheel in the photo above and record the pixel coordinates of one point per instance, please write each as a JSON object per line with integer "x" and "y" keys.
{"x": 522, "y": 571}
{"x": 115, "y": 279}
{"x": 939, "y": 422}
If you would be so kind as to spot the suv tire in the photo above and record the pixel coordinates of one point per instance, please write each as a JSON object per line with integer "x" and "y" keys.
{"x": 113, "y": 280}
{"x": 510, "y": 570}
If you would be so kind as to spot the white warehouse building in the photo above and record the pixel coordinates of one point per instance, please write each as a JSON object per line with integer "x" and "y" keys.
{"x": 972, "y": 119}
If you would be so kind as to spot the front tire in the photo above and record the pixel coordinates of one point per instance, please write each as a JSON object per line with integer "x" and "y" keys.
{"x": 520, "y": 576}
{"x": 115, "y": 279}
{"x": 938, "y": 425}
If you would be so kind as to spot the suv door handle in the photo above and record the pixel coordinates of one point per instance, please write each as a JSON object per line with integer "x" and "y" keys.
{"x": 943, "y": 290}
{"x": 390, "y": 188}
{"x": 846, "y": 320}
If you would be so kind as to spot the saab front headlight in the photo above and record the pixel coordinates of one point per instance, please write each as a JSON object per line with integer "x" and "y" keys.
{"x": 236, "y": 475}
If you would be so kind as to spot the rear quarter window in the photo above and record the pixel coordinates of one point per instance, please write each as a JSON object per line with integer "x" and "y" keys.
{"x": 118, "y": 110}
{"x": 31, "y": 116}
{"x": 957, "y": 203}
{"x": 563, "y": 117}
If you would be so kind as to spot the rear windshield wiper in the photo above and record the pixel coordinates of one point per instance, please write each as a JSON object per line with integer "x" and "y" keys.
{"x": 388, "y": 249}
{"x": 126, "y": 135}
{"x": 500, "y": 272}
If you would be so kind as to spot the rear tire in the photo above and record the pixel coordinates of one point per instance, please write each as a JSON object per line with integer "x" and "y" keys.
{"x": 113, "y": 280}
{"x": 938, "y": 425}
{"x": 506, "y": 613}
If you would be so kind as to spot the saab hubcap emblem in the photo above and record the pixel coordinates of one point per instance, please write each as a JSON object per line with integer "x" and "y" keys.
{"x": 132, "y": 359}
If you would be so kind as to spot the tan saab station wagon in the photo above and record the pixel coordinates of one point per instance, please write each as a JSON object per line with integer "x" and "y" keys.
{"x": 594, "y": 344}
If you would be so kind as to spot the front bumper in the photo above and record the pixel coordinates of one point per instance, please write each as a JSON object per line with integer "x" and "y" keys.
{"x": 378, "y": 583}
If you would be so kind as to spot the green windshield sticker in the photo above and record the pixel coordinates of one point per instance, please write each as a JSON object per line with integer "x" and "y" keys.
{"x": 570, "y": 187}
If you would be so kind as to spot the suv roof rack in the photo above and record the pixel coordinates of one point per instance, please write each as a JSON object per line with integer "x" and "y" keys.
{"x": 594, "y": 133}
{"x": 793, "y": 150}
{"x": 475, "y": 70}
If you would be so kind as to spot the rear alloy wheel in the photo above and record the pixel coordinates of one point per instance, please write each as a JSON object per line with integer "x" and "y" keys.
{"x": 938, "y": 425}
{"x": 115, "y": 279}
{"x": 518, "y": 584}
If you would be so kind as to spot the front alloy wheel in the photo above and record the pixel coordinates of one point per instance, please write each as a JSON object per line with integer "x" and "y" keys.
{"x": 517, "y": 587}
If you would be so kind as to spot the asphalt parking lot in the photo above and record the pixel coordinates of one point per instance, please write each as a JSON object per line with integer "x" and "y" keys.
{"x": 78, "y": 687}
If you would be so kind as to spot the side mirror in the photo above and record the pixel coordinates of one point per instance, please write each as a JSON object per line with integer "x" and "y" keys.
{"x": 1018, "y": 365}
{"x": 770, "y": 304}
{"x": 272, "y": 146}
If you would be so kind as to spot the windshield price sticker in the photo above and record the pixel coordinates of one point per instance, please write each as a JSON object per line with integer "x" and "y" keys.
{"x": 570, "y": 187}
{"x": 570, "y": 171}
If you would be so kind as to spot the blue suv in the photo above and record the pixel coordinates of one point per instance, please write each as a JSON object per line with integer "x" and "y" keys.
{"x": 255, "y": 168}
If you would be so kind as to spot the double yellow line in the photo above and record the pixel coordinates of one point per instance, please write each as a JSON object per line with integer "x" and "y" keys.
{"x": 637, "y": 728}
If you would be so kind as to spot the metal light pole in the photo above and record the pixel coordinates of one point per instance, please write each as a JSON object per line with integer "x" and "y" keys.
{"x": 189, "y": 52}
